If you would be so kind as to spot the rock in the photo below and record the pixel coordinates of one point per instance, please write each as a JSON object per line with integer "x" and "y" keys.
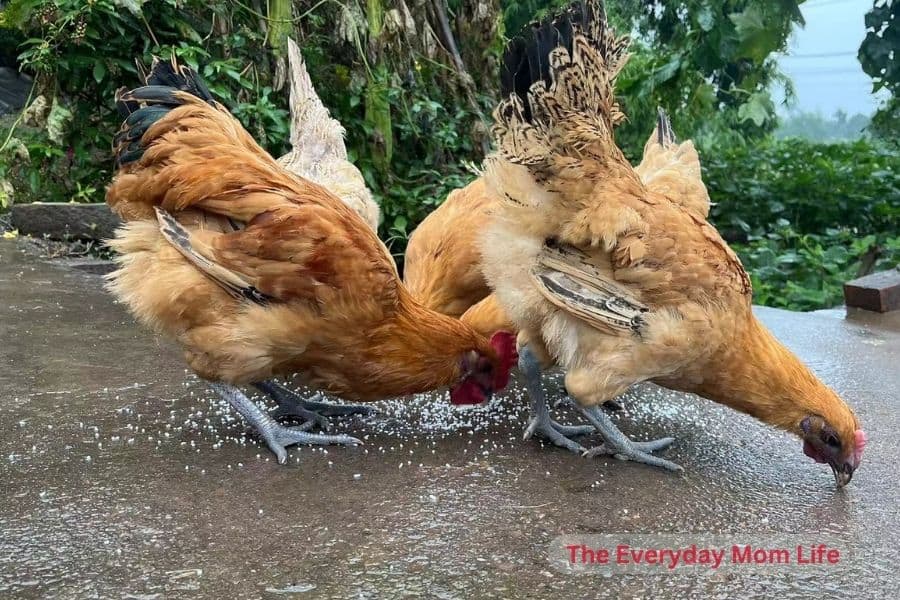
{"x": 63, "y": 221}
{"x": 14, "y": 89}
{"x": 94, "y": 266}
{"x": 879, "y": 292}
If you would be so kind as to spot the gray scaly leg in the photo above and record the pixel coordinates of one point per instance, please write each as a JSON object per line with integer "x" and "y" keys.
{"x": 540, "y": 422}
{"x": 617, "y": 444}
{"x": 276, "y": 436}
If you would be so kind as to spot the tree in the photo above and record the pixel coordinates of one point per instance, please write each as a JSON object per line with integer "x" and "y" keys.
{"x": 877, "y": 54}
{"x": 709, "y": 64}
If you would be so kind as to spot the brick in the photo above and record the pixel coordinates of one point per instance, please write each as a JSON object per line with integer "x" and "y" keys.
{"x": 878, "y": 292}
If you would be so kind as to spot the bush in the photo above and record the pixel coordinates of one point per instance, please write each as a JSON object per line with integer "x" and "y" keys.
{"x": 812, "y": 186}
{"x": 807, "y": 271}
{"x": 811, "y": 216}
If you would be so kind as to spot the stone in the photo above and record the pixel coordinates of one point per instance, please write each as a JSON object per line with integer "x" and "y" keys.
{"x": 14, "y": 88}
{"x": 65, "y": 221}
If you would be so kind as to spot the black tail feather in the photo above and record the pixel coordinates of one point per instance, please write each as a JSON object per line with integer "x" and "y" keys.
{"x": 665, "y": 134}
{"x": 180, "y": 77}
{"x": 143, "y": 106}
{"x": 526, "y": 58}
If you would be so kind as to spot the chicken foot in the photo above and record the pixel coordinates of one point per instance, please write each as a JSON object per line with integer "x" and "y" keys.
{"x": 617, "y": 444}
{"x": 290, "y": 404}
{"x": 277, "y": 437}
{"x": 540, "y": 422}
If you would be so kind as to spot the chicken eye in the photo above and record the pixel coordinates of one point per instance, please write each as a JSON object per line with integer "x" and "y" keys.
{"x": 832, "y": 440}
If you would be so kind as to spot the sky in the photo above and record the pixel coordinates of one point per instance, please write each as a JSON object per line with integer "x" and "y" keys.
{"x": 822, "y": 61}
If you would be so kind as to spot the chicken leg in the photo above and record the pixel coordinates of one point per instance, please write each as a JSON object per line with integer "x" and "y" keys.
{"x": 290, "y": 404}
{"x": 615, "y": 443}
{"x": 540, "y": 422}
{"x": 277, "y": 437}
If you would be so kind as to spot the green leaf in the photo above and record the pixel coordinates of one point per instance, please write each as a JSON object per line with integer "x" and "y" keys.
{"x": 706, "y": 19}
{"x": 757, "y": 39}
{"x": 758, "y": 109}
{"x": 99, "y": 71}
{"x": 667, "y": 71}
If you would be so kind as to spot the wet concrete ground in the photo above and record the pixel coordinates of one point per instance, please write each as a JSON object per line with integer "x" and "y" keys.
{"x": 122, "y": 477}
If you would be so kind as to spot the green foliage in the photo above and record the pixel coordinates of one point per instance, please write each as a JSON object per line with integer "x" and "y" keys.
{"x": 878, "y": 57}
{"x": 82, "y": 52}
{"x": 519, "y": 13}
{"x": 813, "y": 187}
{"x": 885, "y": 123}
{"x": 807, "y": 271}
{"x": 877, "y": 54}
{"x": 707, "y": 63}
{"x": 813, "y": 215}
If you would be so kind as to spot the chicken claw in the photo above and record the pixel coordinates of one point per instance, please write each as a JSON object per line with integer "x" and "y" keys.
{"x": 540, "y": 422}
{"x": 616, "y": 444}
{"x": 277, "y": 436}
{"x": 314, "y": 413}
{"x": 556, "y": 433}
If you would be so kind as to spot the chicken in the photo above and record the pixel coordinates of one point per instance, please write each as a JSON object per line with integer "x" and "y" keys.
{"x": 318, "y": 152}
{"x": 672, "y": 169}
{"x": 619, "y": 283}
{"x": 259, "y": 273}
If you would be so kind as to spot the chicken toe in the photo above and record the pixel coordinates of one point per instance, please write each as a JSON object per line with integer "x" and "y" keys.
{"x": 313, "y": 412}
{"x": 277, "y": 436}
{"x": 617, "y": 444}
{"x": 548, "y": 429}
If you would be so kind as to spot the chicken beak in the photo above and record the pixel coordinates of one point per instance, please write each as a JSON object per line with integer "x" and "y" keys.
{"x": 842, "y": 474}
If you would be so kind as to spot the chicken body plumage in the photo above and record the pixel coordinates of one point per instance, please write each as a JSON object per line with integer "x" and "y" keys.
{"x": 443, "y": 263}
{"x": 442, "y": 266}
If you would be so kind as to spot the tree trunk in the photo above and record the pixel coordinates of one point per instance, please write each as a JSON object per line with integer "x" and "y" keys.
{"x": 280, "y": 28}
{"x": 378, "y": 105}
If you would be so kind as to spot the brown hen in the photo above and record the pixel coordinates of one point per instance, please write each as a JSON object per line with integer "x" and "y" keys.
{"x": 258, "y": 273}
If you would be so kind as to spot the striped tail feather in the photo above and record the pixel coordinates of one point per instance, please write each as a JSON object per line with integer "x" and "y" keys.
{"x": 559, "y": 81}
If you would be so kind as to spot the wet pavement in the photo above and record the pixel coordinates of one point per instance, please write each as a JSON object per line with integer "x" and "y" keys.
{"x": 122, "y": 477}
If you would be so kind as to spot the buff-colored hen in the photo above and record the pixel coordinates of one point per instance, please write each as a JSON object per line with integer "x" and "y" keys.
{"x": 621, "y": 280}
{"x": 442, "y": 265}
